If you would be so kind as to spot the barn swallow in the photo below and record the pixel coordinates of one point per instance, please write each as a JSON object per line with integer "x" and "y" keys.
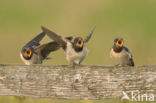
{"x": 121, "y": 53}
{"x": 75, "y": 51}
{"x": 34, "y": 53}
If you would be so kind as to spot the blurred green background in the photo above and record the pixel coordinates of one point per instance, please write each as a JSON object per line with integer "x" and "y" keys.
{"x": 134, "y": 20}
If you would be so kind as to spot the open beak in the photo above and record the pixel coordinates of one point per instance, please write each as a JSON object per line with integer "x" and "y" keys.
{"x": 28, "y": 52}
{"x": 120, "y": 43}
{"x": 80, "y": 43}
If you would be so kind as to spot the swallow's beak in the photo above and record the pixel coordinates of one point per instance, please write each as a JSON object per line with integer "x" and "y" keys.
{"x": 120, "y": 43}
{"x": 80, "y": 43}
{"x": 28, "y": 53}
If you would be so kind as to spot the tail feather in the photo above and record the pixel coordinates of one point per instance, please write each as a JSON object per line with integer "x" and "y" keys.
{"x": 132, "y": 62}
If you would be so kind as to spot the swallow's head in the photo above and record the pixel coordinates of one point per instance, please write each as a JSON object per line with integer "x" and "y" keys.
{"x": 27, "y": 53}
{"x": 118, "y": 42}
{"x": 78, "y": 43}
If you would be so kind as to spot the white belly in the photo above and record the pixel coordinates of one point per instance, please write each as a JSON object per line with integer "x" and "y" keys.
{"x": 75, "y": 57}
{"x": 123, "y": 57}
{"x": 34, "y": 60}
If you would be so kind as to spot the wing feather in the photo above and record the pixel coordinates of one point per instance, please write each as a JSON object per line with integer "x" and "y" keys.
{"x": 58, "y": 38}
{"x": 35, "y": 41}
{"x": 89, "y": 35}
{"x": 44, "y": 50}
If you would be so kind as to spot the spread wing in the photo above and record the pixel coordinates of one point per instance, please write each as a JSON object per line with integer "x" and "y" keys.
{"x": 89, "y": 35}
{"x": 59, "y": 39}
{"x": 35, "y": 41}
{"x": 44, "y": 50}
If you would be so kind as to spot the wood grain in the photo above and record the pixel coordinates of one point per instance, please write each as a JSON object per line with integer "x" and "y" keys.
{"x": 83, "y": 82}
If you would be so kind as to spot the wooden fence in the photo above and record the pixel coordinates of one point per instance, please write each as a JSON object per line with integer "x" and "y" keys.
{"x": 83, "y": 82}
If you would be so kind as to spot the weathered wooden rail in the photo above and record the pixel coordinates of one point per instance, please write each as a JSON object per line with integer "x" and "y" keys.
{"x": 83, "y": 82}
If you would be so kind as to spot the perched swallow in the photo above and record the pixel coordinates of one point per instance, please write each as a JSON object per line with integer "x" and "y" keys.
{"x": 121, "y": 53}
{"x": 34, "y": 53}
{"x": 75, "y": 51}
